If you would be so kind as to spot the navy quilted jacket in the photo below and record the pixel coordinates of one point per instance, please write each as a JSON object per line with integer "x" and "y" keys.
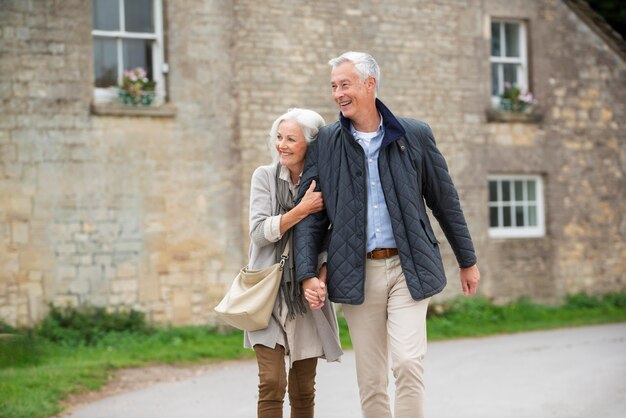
{"x": 411, "y": 170}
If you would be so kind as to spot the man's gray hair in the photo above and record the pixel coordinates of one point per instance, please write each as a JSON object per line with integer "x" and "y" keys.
{"x": 364, "y": 63}
{"x": 309, "y": 121}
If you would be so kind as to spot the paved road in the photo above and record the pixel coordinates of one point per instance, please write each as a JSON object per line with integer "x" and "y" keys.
{"x": 569, "y": 373}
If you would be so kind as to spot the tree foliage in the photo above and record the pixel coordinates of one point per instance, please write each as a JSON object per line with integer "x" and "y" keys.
{"x": 613, "y": 11}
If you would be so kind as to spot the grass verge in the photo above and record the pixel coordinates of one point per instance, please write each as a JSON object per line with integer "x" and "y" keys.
{"x": 73, "y": 352}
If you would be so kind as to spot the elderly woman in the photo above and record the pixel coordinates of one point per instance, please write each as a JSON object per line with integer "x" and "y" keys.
{"x": 302, "y": 334}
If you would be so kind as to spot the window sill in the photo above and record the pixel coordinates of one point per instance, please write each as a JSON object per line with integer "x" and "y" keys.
{"x": 167, "y": 110}
{"x": 512, "y": 234}
{"x": 502, "y": 116}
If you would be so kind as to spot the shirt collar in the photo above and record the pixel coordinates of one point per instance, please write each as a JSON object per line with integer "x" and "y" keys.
{"x": 285, "y": 174}
{"x": 378, "y": 131}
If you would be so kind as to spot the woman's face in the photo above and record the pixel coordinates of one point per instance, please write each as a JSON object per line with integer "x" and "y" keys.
{"x": 291, "y": 145}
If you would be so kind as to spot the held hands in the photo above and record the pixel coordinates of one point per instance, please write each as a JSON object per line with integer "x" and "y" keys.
{"x": 315, "y": 289}
{"x": 312, "y": 201}
{"x": 470, "y": 276}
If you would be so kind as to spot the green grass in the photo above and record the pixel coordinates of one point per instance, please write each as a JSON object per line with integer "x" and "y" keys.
{"x": 74, "y": 351}
{"x": 35, "y": 374}
{"x": 475, "y": 317}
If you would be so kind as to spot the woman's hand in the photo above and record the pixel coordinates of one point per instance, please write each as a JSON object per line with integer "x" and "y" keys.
{"x": 314, "y": 292}
{"x": 312, "y": 201}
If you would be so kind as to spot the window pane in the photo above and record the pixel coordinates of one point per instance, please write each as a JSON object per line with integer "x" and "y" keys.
{"x": 519, "y": 216}
{"x": 493, "y": 191}
{"x": 532, "y": 216}
{"x": 506, "y": 191}
{"x": 496, "y": 89}
{"x": 105, "y": 61}
{"x": 495, "y": 40}
{"x": 510, "y": 73}
{"x": 519, "y": 190}
{"x": 138, "y": 16}
{"x": 531, "y": 191}
{"x": 106, "y": 14}
{"x": 512, "y": 38}
{"x": 506, "y": 212}
{"x": 493, "y": 217}
{"x": 138, "y": 53}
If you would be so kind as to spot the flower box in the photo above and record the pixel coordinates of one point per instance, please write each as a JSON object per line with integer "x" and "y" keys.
{"x": 144, "y": 98}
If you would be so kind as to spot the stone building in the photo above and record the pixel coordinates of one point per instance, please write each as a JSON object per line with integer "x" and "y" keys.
{"x": 146, "y": 207}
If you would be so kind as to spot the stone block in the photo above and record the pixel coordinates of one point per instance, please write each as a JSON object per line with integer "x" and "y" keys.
{"x": 124, "y": 286}
{"x": 128, "y": 246}
{"x": 19, "y": 232}
{"x": 16, "y": 206}
{"x": 148, "y": 289}
{"x": 80, "y": 286}
{"x": 127, "y": 269}
{"x": 66, "y": 249}
{"x": 36, "y": 258}
{"x": 90, "y": 272}
{"x": 181, "y": 306}
{"x": 123, "y": 299}
{"x": 65, "y": 301}
{"x": 8, "y": 153}
{"x": 9, "y": 263}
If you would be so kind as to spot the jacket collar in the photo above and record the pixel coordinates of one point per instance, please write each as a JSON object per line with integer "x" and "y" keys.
{"x": 393, "y": 129}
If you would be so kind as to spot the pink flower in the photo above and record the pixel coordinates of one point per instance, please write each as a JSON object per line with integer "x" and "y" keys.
{"x": 527, "y": 97}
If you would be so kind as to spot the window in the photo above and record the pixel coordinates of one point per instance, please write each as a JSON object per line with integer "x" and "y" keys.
{"x": 508, "y": 56}
{"x": 516, "y": 206}
{"x": 126, "y": 34}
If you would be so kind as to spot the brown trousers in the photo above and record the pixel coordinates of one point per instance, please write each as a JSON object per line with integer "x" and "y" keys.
{"x": 273, "y": 383}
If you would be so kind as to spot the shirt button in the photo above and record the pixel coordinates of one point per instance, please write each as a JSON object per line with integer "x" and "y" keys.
{"x": 375, "y": 206}
{"x": 373, "y": 184}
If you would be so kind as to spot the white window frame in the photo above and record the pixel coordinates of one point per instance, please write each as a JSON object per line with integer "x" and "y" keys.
{"x": 522, "y": 61}
{"x": 518, "y": 231}
{"x": 109, "y": 94}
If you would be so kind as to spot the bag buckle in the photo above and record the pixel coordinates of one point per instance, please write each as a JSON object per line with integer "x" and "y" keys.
{"x": 283, "y": 259}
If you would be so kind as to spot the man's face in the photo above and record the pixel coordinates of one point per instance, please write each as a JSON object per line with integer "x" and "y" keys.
{"x": 353, "y": 95}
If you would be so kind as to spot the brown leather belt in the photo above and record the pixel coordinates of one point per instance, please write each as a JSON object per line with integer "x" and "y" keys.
{"x": 380, "y": 253}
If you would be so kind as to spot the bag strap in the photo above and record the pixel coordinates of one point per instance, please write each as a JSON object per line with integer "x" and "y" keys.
{"x": 285, "y": 256}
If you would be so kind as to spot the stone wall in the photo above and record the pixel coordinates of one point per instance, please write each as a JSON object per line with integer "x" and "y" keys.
{"x": 579, "y": 149}
{"x": 151, "y": 212}
{"x": 127, "y": 211}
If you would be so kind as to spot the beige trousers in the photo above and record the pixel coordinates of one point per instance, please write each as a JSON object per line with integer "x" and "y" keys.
{"x": 389, "y": 320}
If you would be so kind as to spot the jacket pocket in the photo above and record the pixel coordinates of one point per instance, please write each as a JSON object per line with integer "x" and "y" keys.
{"x": 429, "y": 233}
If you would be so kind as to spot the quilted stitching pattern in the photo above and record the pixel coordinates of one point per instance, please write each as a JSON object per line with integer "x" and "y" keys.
{"x": 339, "y": 164}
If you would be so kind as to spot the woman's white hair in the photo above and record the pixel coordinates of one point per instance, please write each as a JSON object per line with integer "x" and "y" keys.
{"x": 364, "y": 63}
{"x": 310, "y": 122}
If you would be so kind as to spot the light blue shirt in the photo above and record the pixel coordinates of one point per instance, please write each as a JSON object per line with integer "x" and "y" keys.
{"x": 379, "y": 231}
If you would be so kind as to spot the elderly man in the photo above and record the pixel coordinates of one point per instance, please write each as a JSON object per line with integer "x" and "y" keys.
{"x": 375, "y": 171}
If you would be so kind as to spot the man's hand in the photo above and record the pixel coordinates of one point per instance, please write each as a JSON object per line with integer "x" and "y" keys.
{"x": 470, "y": 276}
{"x": 314, "y": 292}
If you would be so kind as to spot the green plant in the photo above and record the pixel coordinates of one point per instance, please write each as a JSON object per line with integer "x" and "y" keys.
{"x": 6, "y": 328}
{"x": 136, "y": 87}
{"x": 87, "y": 325}
{"x": 20, "y": 351}
{"x": 512, "y": 99}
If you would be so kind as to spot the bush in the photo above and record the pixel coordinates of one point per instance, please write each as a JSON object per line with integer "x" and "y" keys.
{"x": 88, "y": 325}
{"x": 6, "y": 328}
{"x": 19, "y": 351}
